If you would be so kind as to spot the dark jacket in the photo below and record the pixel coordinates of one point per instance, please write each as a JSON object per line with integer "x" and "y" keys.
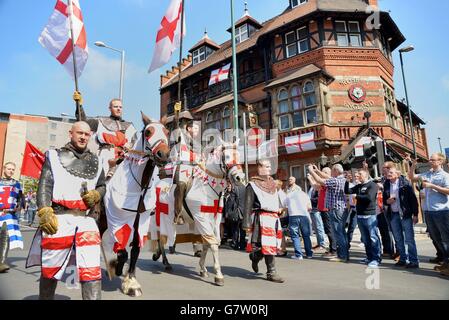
{"x": 407, "y": 198}
{"x": 366, "y": 196}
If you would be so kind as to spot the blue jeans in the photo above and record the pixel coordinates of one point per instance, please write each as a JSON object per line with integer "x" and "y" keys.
{"x": 438, "y": 225}
{"x": 301, "y": 224}
{"x": 352, "y": 224}
{"x": 404, "y": 234}
{"x": 370, "y": 237}
{"x": 338, "y": 221}
{"x": 318, "y": 227}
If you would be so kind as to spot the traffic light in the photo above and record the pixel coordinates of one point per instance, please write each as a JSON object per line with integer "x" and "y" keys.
{"x": 374, "y": 153}
{"x": 369, "y": 152}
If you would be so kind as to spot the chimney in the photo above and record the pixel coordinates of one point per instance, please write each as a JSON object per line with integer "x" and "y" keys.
{"x": 372, "y": 3}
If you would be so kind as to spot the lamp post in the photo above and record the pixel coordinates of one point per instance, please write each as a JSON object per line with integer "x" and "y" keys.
{"x": 401, "y": 51}
{"x": 441, "y": 148}
{"x": 122, "y": 66}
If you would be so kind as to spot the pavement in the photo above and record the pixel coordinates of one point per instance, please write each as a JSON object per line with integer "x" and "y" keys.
{"x": 304, "y": 280}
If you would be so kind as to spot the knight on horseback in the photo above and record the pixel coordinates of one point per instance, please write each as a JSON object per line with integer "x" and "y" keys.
{"x": 112, "y": 134}
{"x": 187, "y": 155}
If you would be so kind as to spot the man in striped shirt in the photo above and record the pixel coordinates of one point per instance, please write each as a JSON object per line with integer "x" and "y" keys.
{"x": 10, "y": 194}
{"x": 336, "y": 203}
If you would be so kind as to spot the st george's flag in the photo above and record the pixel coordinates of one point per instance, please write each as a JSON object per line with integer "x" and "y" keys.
{"x": 220, "y": 74}
{"x": 168, "y": 37}
{"x": 57, "y": 38}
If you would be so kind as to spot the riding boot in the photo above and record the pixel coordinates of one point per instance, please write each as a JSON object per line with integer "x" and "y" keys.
{"x": 255, "y": 257}
{"x": 271, "y": 270}
{"x": 4, "y": 247}
{"x": 91, "y": 290}
{"x": 179, "y": 194}
{"x": 47, "y": 288}
{"x": 122, "y": 258}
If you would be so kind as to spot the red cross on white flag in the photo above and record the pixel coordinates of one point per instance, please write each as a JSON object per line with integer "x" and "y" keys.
{"x": 301, "y": 143}
{"x": 57, "y": 39}
{"x": 168, "y": 37}
{"x": 219, "y": 75}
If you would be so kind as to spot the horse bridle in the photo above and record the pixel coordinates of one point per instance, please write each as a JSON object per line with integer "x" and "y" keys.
{"x": 150, "y": 155}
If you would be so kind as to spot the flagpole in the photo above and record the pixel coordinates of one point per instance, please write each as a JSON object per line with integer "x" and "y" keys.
{"x": 177, "y": 110}
{"x": 234, "y": 71}
{"x": 74, "y": 58}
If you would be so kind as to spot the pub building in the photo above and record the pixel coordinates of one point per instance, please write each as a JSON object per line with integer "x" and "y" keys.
{"x": 313, "y": 71}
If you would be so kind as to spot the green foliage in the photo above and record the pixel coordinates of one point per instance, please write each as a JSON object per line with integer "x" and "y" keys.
{"x": 29, "y": 184}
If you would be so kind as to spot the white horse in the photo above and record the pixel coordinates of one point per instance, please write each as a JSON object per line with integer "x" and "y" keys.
{"x": 131, "y": 197}
{"x": 202, "y": 206}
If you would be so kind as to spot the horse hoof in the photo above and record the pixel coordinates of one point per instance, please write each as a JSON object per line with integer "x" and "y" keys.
{"x": 156, "y": 257}
{"x": 204, "y": 274}
{"x": 198, "y": 254}
{"x": 134, "y": 293}
{"x": 169, "y": 268}
{"x": 219, "y": 281}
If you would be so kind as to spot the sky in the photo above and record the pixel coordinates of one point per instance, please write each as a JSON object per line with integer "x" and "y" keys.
{"x": 33, "y": 82}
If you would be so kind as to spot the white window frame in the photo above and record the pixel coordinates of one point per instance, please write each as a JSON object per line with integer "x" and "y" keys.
{"x": 291, "y": 44}
{"x": 289, "y": 122}
{"x": 298, "y": 3}
{"x": 198, "y": 56}
{"x": 299, "y": 40}
{"x": 240, "y": 32}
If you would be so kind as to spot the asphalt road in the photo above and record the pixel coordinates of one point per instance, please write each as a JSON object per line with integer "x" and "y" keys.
{"x": 308, "y": 279}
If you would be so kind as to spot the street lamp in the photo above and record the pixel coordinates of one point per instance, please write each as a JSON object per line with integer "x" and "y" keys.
{"x": 122, "y": 66}
{"x": 441, "y": 148}
{"x": 401, "y": 51}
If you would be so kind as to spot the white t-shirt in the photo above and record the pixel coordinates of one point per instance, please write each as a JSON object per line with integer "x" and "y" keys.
{"x": 298, "y": 203}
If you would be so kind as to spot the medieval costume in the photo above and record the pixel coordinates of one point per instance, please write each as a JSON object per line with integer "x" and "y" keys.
{"x": 261, "y": 216}
{"x": 112, "y": 134}
{"x": 71, "y": 183}
{"x": 10, "y": 236}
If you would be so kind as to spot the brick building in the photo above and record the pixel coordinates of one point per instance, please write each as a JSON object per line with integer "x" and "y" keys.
{"x": 41, "y": 131}
{"x": 316, "y": 67}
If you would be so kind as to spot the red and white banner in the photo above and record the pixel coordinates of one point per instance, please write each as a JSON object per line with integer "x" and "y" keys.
{"x": 301, "y": 143}
{"x": 219, "y": 75}
{"x": 57, "y": 38}
{"x": 33, "y": 161}
{"x": 168, "y": 37}
{"x": 358, "y": 148}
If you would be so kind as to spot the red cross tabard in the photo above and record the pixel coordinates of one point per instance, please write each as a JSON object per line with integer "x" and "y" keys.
{"x": 211, "y": 209}
{"x": 160, "y": 207}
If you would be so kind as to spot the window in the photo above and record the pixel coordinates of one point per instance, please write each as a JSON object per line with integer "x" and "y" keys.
{"x": 220, "y": 119}
{"x": 199, "y": 55}
{"x": 303, "y": 39}
{"x": 241, "y": 33}
{"x": 299, "y": 172}
{"x": 54, "y": 125}
{"x": 297, "y": 107}
{"x": 296, "y": 3}
{"x": 297, "y": 42}
{"x": 227, "y": 118}
{"x": 348, "y": 34}
{"x": 290, "y": 44}
{"x": 391, "y": 107}
{"x": 52, "y": 137}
